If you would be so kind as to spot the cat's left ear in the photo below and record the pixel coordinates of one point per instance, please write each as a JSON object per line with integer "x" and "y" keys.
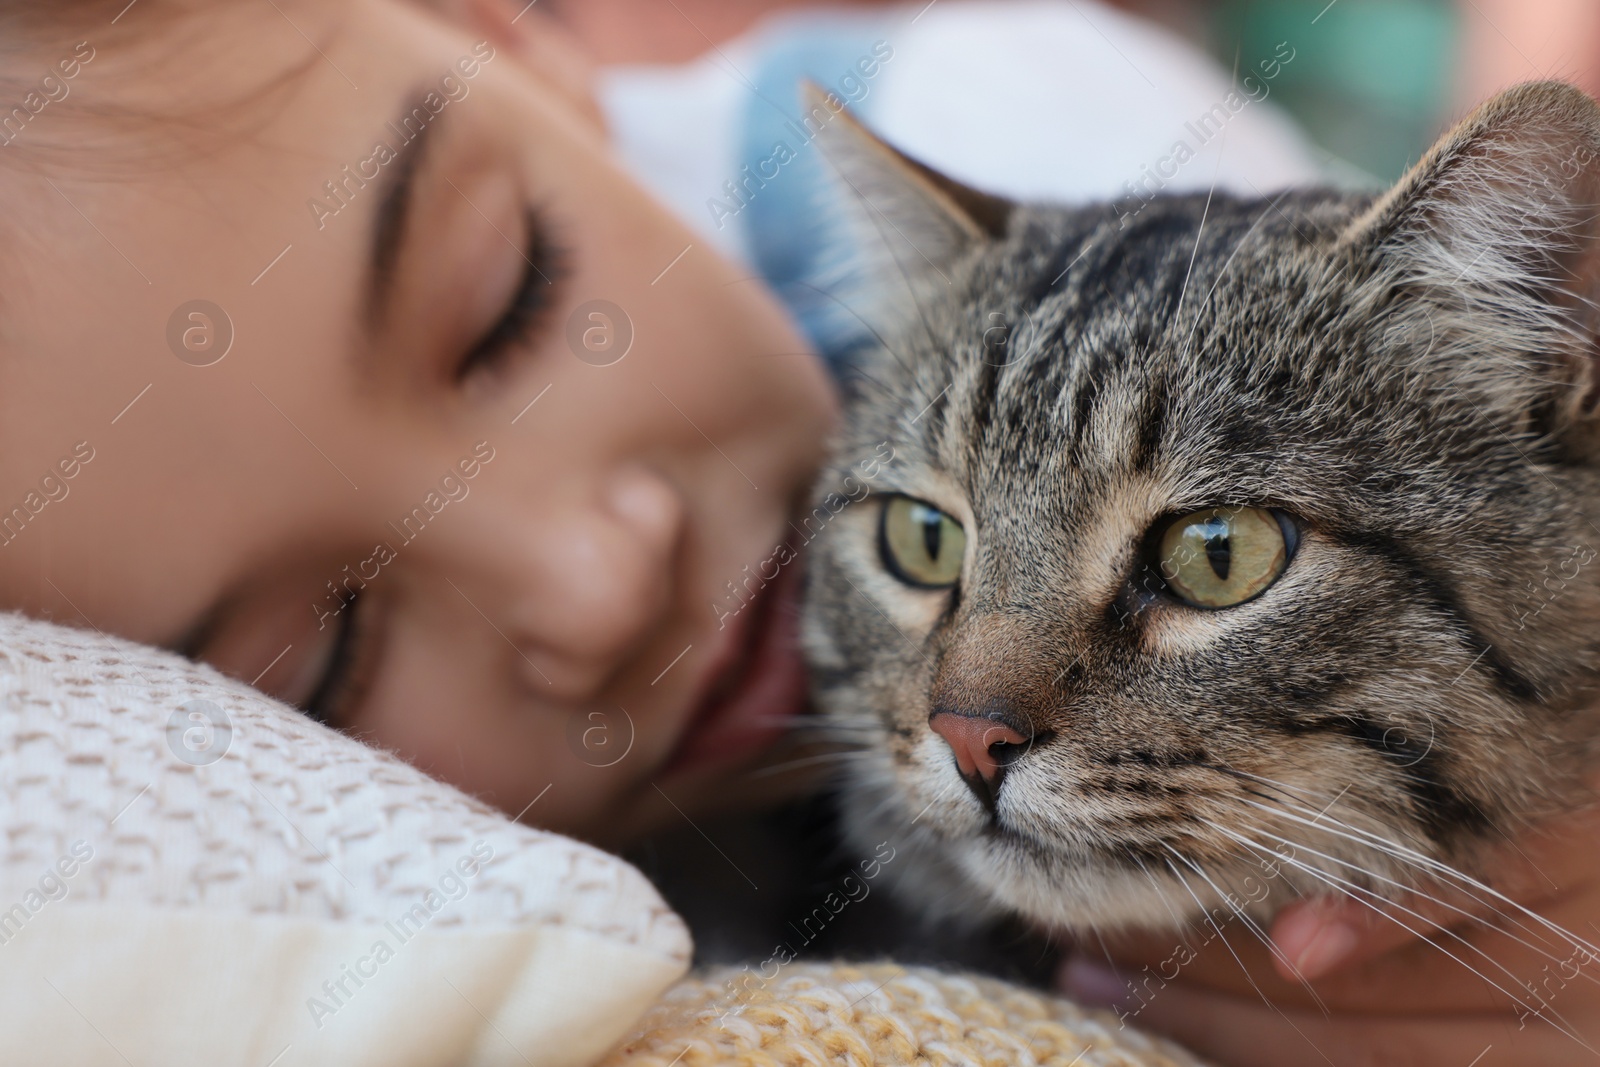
{"x": 1485, "y": 258}
{"x": 909, "y": 221}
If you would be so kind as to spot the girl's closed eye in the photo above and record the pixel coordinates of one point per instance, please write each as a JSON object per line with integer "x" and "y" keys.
{"x": 318, "y": 649}
{"x": 528, "y": 308}
{"x": 349, "y": 662}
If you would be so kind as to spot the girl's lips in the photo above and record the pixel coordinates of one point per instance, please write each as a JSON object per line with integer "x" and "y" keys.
{"x": 757, "y": 687}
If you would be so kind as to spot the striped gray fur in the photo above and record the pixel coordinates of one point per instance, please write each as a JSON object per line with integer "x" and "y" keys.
{"x": 1410, "y": 376}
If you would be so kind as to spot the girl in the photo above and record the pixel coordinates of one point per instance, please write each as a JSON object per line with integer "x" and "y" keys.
{"x": 356, "y": 369}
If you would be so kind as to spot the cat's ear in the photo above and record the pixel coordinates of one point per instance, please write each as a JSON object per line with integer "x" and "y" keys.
{"x": 1486, "y": 255}
{"x": 906, "y": 218}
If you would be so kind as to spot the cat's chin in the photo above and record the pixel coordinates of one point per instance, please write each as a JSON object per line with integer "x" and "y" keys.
{"x": 1077, "y": 894}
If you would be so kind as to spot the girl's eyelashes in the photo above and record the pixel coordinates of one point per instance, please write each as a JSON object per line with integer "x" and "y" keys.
{"x": 529, "y": 305}
{"x": 350, "y": 664}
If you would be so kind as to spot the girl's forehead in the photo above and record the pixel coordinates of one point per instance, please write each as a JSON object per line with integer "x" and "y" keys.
{"x": 199, "y": 71}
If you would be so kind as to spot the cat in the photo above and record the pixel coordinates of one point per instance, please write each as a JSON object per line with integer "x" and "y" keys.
{"x": 1234, "y": 552}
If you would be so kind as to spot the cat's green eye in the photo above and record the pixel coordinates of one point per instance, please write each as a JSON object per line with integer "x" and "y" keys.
{"x": 1219, "y": 557}
{"x": 921, "y": 545}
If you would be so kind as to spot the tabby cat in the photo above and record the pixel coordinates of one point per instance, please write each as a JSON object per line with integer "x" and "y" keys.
{"x": 1238, "y": 542}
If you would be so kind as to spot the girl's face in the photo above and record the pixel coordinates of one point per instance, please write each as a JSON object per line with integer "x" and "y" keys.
{"x": 492, "y": 436}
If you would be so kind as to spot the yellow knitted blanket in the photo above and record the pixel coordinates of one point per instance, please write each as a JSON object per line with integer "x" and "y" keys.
{"x": 811, "y": 1015}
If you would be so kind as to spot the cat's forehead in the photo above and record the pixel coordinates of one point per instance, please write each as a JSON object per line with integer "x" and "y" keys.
{"x": 1089, "y": 350}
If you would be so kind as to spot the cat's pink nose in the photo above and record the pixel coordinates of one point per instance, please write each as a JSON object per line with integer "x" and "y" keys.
{"x": 973, "y": 740}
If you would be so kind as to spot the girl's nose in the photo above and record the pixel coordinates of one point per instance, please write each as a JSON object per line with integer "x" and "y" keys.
{"x": 601, "y": 581}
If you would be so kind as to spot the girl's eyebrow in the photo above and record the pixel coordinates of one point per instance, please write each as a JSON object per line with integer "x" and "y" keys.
{"x": 394, "y": 204}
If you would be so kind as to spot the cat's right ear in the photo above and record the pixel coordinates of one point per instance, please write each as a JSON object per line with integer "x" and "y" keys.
{"x": 908, "y": 222}
{"x": 1484, "y": 260}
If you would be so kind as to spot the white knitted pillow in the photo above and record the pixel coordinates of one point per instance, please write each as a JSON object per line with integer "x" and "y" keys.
{"x": 195, "y": 874}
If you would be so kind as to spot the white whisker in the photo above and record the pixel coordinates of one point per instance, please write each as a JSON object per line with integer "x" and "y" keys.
{"x": 810, "y": 761}
{"x": 1204, "y": 911}
{"x": 1161, "y": 895}
{"x": 1255, "y": 928}
{"x": 1378, "y": 842}
{"x": 1398, "y": 851}
{"x": 1351, "y": 890}
{"x": 1397, "y": 884}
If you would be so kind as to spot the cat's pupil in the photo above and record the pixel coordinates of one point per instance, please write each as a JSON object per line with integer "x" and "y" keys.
{"x": 1218, "y": 552}
{"x": 931, "y": 528}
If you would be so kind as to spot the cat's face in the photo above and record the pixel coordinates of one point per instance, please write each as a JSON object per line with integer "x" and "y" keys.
{"x": 1245, "y": 548}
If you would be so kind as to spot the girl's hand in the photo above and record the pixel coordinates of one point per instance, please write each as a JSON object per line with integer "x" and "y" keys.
{"x": 1453, "y": 975}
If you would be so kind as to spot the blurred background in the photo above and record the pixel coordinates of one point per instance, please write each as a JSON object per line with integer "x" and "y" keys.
{"x": 1380, "y": 79}
{"x": 1372, "y": 87}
